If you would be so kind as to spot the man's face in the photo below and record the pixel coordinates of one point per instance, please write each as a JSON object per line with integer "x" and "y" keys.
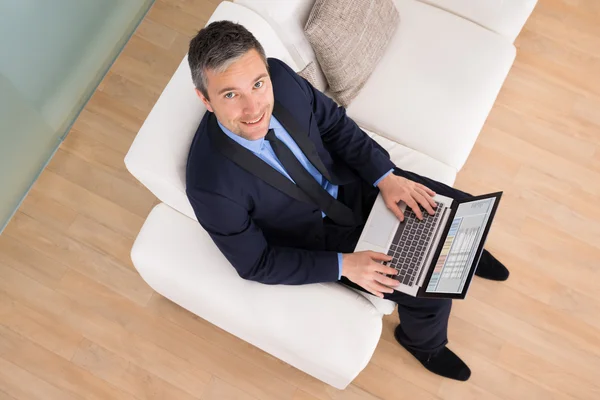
{"x": 242, "y": 96}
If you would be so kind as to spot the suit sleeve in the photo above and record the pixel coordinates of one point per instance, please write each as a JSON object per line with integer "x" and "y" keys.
{"x": 343, "y": 137}
{"x": 244, "y": 245}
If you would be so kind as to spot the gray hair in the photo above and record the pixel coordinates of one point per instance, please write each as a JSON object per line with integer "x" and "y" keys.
{"x": 216, "y": 47}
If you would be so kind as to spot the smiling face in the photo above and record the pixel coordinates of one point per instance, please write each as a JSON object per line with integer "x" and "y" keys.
{"x": 242, "y": 96}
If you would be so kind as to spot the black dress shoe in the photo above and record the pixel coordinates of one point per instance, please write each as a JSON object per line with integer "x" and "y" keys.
{"x": 490, "y": 268}
{"x": 444, "y": 363}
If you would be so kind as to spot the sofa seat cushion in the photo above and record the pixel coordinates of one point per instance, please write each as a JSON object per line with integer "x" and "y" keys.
{"x": 414, "y": 161}
{"x": 435, "y": 86}
{"x": 325, "y": 330}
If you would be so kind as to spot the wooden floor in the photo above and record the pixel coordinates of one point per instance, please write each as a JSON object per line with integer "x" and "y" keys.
{"x": 77, "y": 322}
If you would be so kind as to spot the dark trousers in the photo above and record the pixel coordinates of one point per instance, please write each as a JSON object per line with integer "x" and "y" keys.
{"x": 424, "y": 322}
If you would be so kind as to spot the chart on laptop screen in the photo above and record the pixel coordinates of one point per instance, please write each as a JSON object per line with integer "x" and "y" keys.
{"x": 460, "y": 247}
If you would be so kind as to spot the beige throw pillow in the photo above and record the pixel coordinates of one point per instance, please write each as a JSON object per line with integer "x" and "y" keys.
{"x": 349, "y": 38}
{"x": 310, "y": 74}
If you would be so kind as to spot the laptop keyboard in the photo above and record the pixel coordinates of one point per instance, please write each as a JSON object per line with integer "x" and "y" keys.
{"x": 410, "y": 242}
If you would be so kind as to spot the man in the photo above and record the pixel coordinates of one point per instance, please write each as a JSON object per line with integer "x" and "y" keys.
{"x": 283, "y": 181}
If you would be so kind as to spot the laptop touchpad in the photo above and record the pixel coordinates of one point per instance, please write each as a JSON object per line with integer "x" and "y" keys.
{"x": 381, "y": 227}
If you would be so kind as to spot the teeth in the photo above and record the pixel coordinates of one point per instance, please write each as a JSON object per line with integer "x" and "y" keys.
{"x": 253, "y": 122}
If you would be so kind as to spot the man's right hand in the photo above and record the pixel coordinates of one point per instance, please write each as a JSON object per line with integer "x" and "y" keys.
{"x": 364, "y": 269}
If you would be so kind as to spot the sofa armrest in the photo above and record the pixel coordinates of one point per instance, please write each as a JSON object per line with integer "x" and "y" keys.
{"x": 505, "y": 17}
{"x": 326, "y": 330}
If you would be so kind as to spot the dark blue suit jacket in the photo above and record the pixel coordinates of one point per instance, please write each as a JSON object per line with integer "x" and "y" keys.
{"x": 268, "y": 229}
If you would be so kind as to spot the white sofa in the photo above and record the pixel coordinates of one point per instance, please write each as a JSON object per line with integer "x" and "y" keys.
{"x": 427, "y": 99}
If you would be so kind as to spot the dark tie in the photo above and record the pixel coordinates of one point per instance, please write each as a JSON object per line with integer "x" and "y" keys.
{"x": 334, "y": 209}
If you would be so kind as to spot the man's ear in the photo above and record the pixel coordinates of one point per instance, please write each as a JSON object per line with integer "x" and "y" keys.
{"x": 204, "y": 100}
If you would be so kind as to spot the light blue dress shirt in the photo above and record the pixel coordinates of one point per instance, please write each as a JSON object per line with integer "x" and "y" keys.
{"x": 263, "y": 150}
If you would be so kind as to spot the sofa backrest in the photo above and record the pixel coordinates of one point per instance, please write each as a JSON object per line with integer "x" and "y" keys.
{"x": 158, "y": 155}
{"x": 505, "y": 17}
{"x": 422, "y": 93}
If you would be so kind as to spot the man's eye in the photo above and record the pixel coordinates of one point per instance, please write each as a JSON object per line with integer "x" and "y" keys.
{"x": 258, "y": 84}
{"x": 229, "y": 95}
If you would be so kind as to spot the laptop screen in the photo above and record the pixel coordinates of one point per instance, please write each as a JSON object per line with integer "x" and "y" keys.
{"x": 460, "y": 247}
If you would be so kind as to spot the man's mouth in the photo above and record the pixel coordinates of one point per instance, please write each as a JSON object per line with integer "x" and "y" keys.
{"x": 254, "y": 122}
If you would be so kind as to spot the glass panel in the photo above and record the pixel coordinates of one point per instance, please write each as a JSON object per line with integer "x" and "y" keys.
{"x": 53, "y": 55}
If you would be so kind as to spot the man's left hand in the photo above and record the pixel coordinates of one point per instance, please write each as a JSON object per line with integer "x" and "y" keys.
{"x": 395, "y": 188}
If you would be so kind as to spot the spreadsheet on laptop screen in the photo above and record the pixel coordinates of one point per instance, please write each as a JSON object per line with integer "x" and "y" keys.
{"x": 460, "y": 247}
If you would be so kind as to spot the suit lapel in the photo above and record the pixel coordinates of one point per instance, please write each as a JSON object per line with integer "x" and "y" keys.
{"x": 300, "y": 136}
{"x": 251, "y": 163}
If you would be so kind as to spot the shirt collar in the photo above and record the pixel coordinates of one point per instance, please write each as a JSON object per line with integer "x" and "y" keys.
{"x": 254, "y": 146}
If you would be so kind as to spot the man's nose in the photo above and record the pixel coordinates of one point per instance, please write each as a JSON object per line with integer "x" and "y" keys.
{"x": 251, "y": 107}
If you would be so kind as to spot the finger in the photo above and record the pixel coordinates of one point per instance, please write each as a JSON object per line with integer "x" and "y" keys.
{"x": 386, "y": 270}
{"x": 432, "y": 200}
{"x": 422, "y": 199}
{"x": 395, "y": 208}
{"x": 415, "y": 207}
{"x": 384, "y": 280}
{"x": 378, "y": 287}
{"x": 428, "y": 198}
{"x": 379, "y": 256}
{"x": 427, "y": 190}
{"x": 372, "y": 290}
{"x": 375, "y": 292}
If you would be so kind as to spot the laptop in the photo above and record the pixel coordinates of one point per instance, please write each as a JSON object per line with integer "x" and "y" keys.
{"x": 436, "y": 256}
